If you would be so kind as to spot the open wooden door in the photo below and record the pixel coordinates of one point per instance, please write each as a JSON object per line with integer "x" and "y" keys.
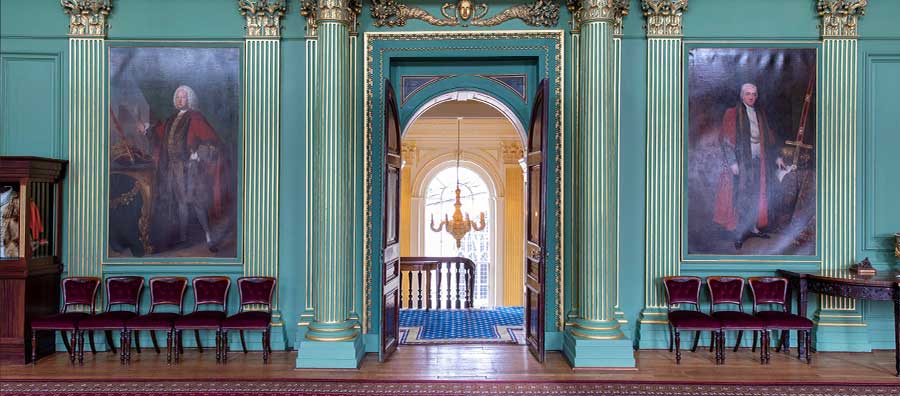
{"x": 390, "y": 299}
{"x": 535, "y": 187}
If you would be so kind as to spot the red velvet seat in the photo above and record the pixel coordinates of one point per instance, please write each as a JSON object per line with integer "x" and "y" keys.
{"x": 208, "y": 290}
{"x": 120, "y": 290}
{"x": 729, "y": 290}
{"x": 164, "y": 290}
{"x": 253, "y": 291}
{"x": 77, "y": 291}
{"x": 686, "y": 290}
{"x": 774, "y": 290}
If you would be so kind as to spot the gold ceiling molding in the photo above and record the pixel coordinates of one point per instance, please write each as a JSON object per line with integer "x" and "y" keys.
{"x": 664, "y": 17}
{"x": 464, "y": 13}
{"x": 87, "y": 18}
{"x": 263, "y": 17}
{"x": 840, "y": 18}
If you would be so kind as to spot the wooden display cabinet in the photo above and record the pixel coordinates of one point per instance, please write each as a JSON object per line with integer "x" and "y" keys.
{"x": 30, "y": 251}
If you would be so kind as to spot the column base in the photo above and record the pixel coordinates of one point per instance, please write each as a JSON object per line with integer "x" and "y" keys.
{"x": 653, "y": 329}
{"x": 338, "y": 345}
{"x": 840, "y": 331}
{"x": 597, "y": 344}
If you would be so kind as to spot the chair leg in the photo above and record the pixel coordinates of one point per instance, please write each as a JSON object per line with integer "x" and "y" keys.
{"x": 218, "y": 345}
{"x": 34, "y": 347}
{"x": 80, "y": 346}
{"x": 671, "y": 339}
{"x": 677, "y": 347}
{"x": 122, "y": 346}
{"x": 786, "y": 340}
{"x": 713, "y": 335}
{"x": 197, "y": 338}
{"x": 696, "y": 341}
{"x": 224, "y": 346}
{"x": 153, "y": 339}
{"x": 265, "y": 346}
{"x": 65, "y": 340}
{"x": 91, "y": 342}
{"x": 168, "y": 345}
{"x": 176, "y": 338}
{"x": 243, "y": 344}
{"x": 137, "y": 342}
{"x": 722, "y": 344}
{"x": 74, "y": 349}
{"x": 737, "y": 344}
{"x": 109, "y": 341}
{"x": 755, "y": 335}
{"x": 180, "y": 343}
{"x": 762, "y": 350}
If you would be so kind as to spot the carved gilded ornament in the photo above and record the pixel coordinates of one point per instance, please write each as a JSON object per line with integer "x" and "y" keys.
{"x": 664, "y": 17}
{"x": 263, "y": 17}
{"x": 840, "y": 18}
{"x": 334, "y": 10}
{"x": 620, "y": 11}
{"x": 597, "y": 11}
{"x": 309, "y": 9}
{"x": 464, "y": 13}
{"x": 87, "y": 18}
{"x": 512, "y": 152}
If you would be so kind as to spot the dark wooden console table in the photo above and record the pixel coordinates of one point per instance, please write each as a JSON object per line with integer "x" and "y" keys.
{"x": 884, "y": 286}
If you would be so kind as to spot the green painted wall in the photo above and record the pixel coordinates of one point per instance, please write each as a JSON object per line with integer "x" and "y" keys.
{"x": 33, "y": 119}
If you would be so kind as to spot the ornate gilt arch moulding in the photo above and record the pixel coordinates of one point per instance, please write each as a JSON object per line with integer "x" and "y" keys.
{"x": 87, "y": 18}
{"x": 664, "y": 17}
{"x": 465, "y": 13}
{"x": 840, "y": 18}
{"x": 263, "y": 17}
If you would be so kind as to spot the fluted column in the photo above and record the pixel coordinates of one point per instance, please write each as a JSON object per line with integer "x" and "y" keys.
{"x": 594, "y": 338}
{"x": 664, "y": 165}
{"x": 87, "y": 125}
{"x": 839, "y": 320}
{"x": 333, "y": 339}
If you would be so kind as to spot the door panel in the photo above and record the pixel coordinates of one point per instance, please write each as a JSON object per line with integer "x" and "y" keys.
{"x": 536, "y": 185}
{"x": 390, "y": 301}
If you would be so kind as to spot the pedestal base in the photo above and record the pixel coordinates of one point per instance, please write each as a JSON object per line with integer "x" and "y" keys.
{"x": 598, "y": 344}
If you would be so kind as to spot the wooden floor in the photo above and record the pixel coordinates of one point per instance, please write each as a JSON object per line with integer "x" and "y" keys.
{"x": 475, "y": 362}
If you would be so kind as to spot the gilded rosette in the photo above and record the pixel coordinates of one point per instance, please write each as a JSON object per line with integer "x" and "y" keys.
{"x": 87, "y": 18}
{"x": 840, "y": 18}
{"x": 263, "y": 17}
{"x": 664, "y": 17}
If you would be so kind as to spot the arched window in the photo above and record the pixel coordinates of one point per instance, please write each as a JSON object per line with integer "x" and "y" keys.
{"x": 476, "y": 246}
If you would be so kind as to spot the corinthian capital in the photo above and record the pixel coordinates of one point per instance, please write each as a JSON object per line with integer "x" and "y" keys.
{"x": 87, "y": 18}
{"x": 664, "y": 17}
{"x": 263, "y": 17}
{"x": 598, "y": 10}
{"x": 334, "y": 10}
{"x": 622, "y": 8}
{"x": 840, "y": 18}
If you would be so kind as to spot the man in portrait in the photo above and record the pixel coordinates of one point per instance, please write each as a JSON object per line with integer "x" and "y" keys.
{"x": 187, "y": 153}
{"x": 743, "y": 203}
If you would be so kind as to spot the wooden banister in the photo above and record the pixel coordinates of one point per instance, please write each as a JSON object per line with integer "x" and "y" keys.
{"x": 456, "y": 274}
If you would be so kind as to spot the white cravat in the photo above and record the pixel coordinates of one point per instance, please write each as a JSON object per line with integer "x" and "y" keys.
{"x": 754, "y": 132}
{"x": 4, "y": 200}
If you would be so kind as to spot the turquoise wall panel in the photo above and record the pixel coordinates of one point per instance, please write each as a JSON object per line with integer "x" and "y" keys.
{"x": 758, "y": 19}
{"x": 30, "y": 104}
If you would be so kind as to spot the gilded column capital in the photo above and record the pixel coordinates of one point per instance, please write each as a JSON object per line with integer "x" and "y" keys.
{"x": 664, "y": 17}
{"x": 622, "y": 9}
{"x": 840, "y": 18}
{"x": 263, "y": 17}
{"x": 87, "y": 18}
{"x": 309, "y": 9}
{"x": 334, "y": 11}
{"x": 511, "y": 151}
{"x": 598, "y": 10}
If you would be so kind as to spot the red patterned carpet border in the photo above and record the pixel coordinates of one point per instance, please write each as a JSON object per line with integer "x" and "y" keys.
{"x": 433, "y": 388}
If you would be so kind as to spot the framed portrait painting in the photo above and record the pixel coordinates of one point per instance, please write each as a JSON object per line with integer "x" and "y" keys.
{"x": 174, "y": 132}
{"x": 751, "y": 185}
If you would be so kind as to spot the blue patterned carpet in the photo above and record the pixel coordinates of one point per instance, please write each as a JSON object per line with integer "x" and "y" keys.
{"x": 501, "y": 325}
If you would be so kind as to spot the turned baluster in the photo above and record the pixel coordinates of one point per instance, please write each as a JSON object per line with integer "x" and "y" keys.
{"x": 409, "y": 294}
{"x": 419, "y": 276}
{"x": 439, "y": 275}
{"x": 459, "y": 272}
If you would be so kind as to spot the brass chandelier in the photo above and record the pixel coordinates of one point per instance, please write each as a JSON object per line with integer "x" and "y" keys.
{"x": 459, "y": 226}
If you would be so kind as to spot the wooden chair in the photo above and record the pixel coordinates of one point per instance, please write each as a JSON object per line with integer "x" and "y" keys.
{"x": 454, "y": 279}
{"x": 164, "y": 290}
{"x": 686, "y": 290}
{"x": 729, "y": 290}
{"x": 773, "y": 290}
{"x": 253, "y": 291}
{"x": 120, "y": 290}
{"x": 76, "y": 291}
{"x": 208, "y": 290}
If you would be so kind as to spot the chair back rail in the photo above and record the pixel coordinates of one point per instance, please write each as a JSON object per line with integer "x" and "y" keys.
{"x": 453, "y": 279}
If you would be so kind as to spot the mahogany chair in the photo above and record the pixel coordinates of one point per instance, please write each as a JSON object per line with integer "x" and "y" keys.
{"x": 774, "y": 290}
{"x": 164, "y": 290}
{"x": 729, "y": 290}
{"x": 208, "y": 290}
{"x": 686, "y": 290}
{"x": 77, "y": 291}
{"x": 120, "y": 290}
{"x": 253, "y": 291}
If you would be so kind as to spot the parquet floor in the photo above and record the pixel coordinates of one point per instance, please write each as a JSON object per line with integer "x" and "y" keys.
{"x": 474, "y": 363}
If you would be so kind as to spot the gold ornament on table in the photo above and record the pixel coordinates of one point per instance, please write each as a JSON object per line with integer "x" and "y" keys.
{"x": 460, "y": 225}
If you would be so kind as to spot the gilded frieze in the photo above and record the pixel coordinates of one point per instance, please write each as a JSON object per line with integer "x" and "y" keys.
{"x": 263, "y": 17}
{"x": 465, "y": 13}
{"x": 840, "y": 18}
{"x": 664, "y": 17}
{"x": 87, "y": 18}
